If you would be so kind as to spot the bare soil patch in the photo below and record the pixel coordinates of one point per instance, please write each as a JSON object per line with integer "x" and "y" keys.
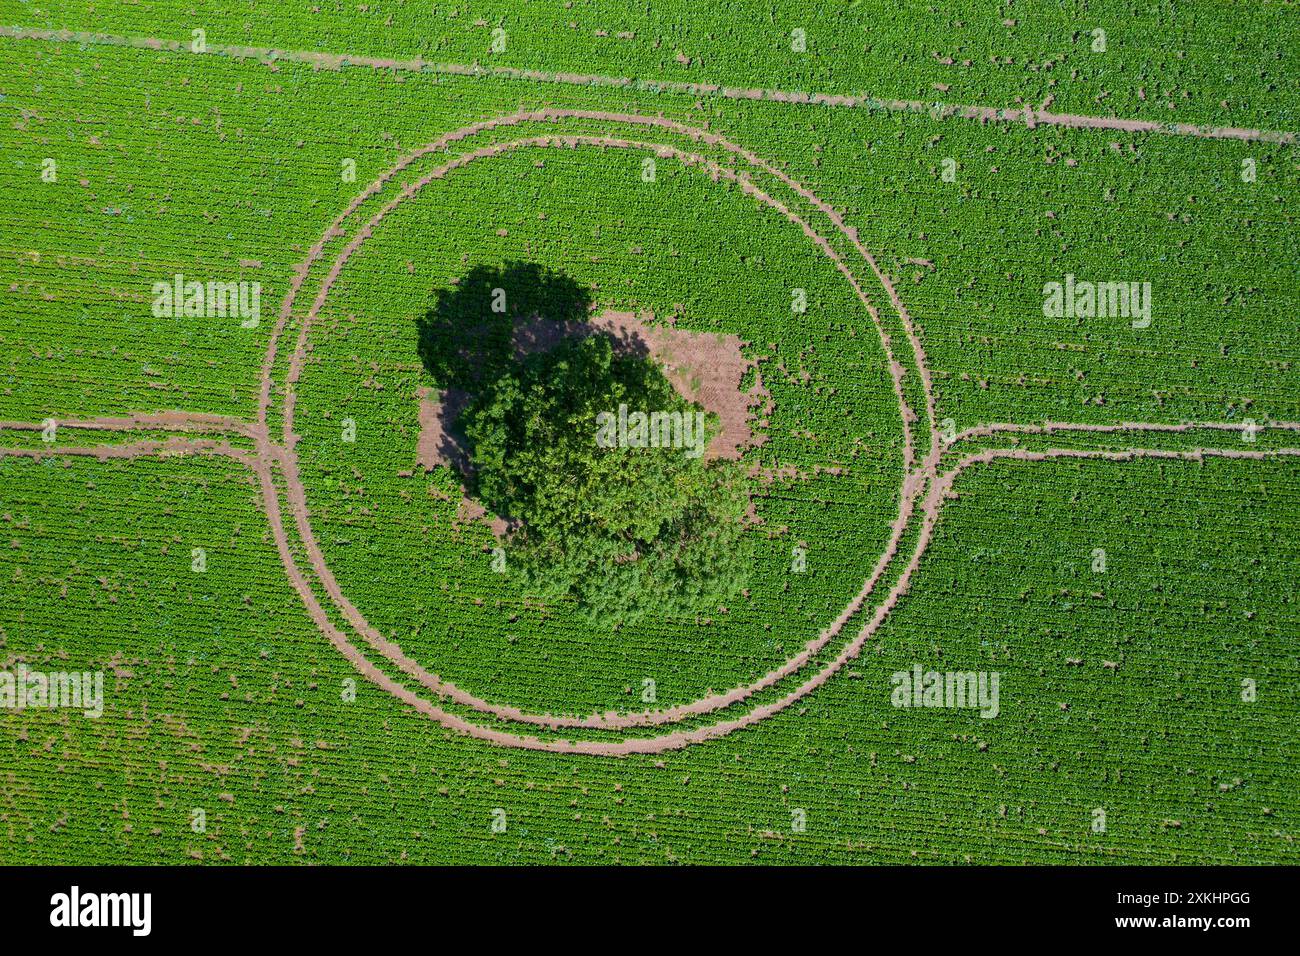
{"x": 704, "y": 367}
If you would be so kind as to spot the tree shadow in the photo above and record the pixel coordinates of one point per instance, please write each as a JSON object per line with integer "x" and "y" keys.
{"x": 466, "y": 338}
{"x": 485, "y": 324}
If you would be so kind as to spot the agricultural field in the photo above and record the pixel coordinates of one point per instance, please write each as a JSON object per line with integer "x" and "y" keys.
{"x": 983, "y": 550}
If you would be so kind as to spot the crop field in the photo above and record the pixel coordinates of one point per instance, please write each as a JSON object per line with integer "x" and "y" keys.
{"x": 987, "y": 314}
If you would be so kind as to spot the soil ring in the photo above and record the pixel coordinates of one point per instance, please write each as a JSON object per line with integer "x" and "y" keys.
{"x": 913, "y": 483}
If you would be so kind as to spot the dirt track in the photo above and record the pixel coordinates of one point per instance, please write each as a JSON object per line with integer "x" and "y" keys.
{"x": 1025, "y": 115}
{"x": 924, "y": 487}
{"x": 296, "y": 493}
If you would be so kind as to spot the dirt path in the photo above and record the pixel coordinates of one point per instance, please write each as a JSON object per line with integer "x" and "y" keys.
{"x": 162, "y": 421}
{"x": 138, "y": 449}
{"x": 1026, "y": 115}
{"x": 924, "y": 488}
{"x": 296, "y": 493}
{"x": 1049, "y": 428}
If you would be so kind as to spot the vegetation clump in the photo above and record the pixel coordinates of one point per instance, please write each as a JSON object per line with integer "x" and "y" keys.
{"x": 623, "y": 521}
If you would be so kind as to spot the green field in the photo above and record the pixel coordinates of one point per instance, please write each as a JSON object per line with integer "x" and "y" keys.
{"x": 1128, "y": 571}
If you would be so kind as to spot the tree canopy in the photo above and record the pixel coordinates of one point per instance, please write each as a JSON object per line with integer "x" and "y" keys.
{"x": 623, "y": 530}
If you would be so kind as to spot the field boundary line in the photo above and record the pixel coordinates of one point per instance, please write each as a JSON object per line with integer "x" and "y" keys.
{"x": 1025, "y": 115}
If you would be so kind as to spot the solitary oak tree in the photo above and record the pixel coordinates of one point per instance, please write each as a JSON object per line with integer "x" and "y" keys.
{"x": 624, "y": 531}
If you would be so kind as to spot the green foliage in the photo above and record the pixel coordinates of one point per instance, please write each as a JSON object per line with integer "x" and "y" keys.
{"x": 625, "y": 531}
{"x": 223, "y": 694}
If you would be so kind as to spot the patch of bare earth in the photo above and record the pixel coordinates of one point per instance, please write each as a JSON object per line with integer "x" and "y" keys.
{"x": 706, "y": 368}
